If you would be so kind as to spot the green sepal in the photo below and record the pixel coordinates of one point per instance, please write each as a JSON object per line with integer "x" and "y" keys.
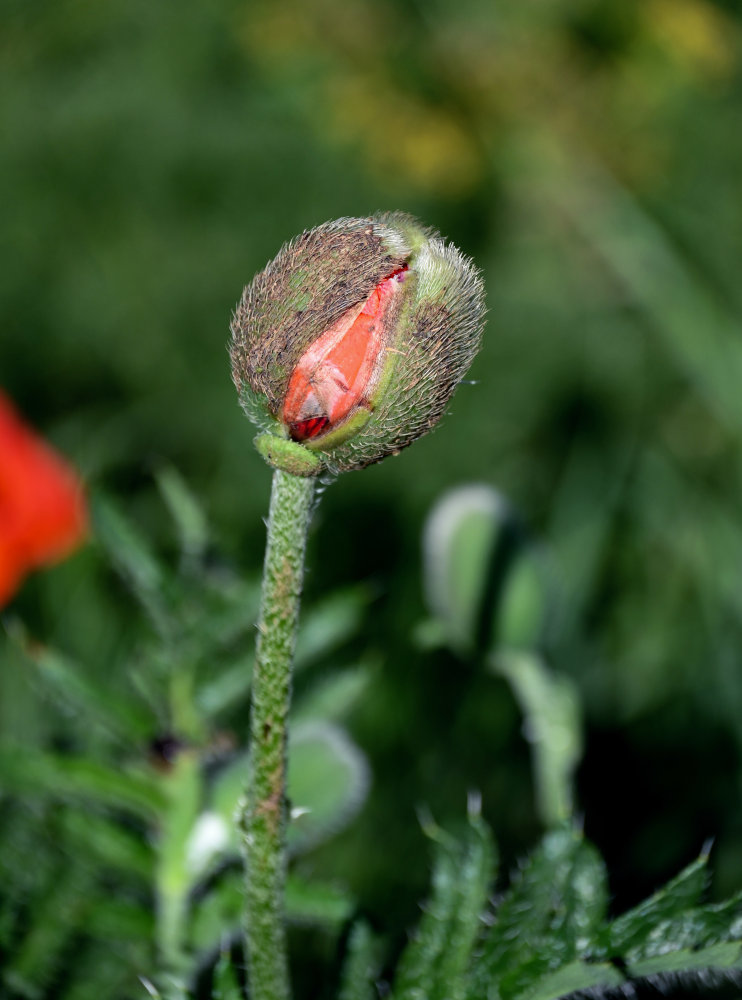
{"x": 342, "y": 433}
{"x": 288, "y": 456}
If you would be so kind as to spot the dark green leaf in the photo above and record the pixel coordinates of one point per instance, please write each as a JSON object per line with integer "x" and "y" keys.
{"x": 225, "y": 985}
{"x": 435, "y": 962}
{"x": 28, "y": 772}
{"x": 361, "y": 967}
{"x": 228, "y": 689}
{"x": 311, "y": 902}
{"x": 118, "y": 714}
{"x": 548, "y": 918}
{"x": 133, "y": 559}
{"x": 328, "y": 624}
{"x": 186, "y": 511}
{"x": 630, "y": 931}
{"x": 331, "y": 698}
{"x": 109, "y": 843}
{"x": 328, "y": 781}
{"x": 57, "y": 918}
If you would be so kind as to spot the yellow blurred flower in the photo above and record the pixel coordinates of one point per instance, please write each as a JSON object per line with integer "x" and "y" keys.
{"x": 701, "y": 36}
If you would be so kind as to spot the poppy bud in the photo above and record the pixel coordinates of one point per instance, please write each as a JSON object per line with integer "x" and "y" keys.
{"x": 348, "y": 346}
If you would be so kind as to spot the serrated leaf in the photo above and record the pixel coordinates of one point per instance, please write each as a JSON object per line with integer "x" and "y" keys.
{"x": 549, "y": 917}
{"x": 361, "y": 966}
{"x": 435, "y": 962}
{"x": 576, "y": 977}
{"x": 539, "y": 950}
{"x": 552, "y": 725}
{"x": 630, "y": 931}
{"x": 726, "y": 955}
{"x": 701, "y": 937}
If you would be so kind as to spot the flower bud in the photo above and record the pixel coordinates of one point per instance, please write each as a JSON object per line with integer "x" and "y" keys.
{"x": 348, "y": 346}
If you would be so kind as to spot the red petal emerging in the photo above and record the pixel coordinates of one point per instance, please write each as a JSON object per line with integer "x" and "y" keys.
{"x": 42, "y": 508}
{"x": 335, "y": 373}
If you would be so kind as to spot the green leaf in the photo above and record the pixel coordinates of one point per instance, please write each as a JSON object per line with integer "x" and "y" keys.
{"x": 549, "y": 917}
{"x": 660, "y": 280}
{"x": 328, "y": 781}
{"x": 228, "y": 689}
{"x": 458, "y": 545}
{"x": 121, "y": 920}
{"x": 548, "y": 939}
{"x": 124, "y": 717}
{"x": 484, "y": 581}
{"x": 331, "y": 698}
{"x": 628, "y": 933}
{"x": 328, "y": 624}
{"x": 186, "y": 511}
{"x": 57, "y": 918}
{"x": 218, "y": 913}
{"x": 552, "y": 725}
{"x": 435, "y": 962}
{"x": 109, "y": 843}
{"x": 28, "y": 772}
{"x": 311, "y": 902}
{"x": 220, "y": 609}
{"x": 361, "y": 967}
{"x": 575, "y": 977}
{"x": 133, "y": 559}
{"x": 178, "y": 866}
{"x": 225, "y": 985}
{"x": 671, "y": 932}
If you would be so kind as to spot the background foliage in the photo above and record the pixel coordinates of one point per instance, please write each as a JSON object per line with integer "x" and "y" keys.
{"x": 586, "y": 153}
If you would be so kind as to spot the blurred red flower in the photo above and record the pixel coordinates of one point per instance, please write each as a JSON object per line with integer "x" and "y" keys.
{"x": 43, "y": 515}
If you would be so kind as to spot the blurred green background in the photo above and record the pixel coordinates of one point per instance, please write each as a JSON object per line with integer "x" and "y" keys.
{"x": 587, "y": 154}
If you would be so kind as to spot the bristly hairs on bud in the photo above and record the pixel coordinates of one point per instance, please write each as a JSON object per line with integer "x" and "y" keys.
{"x": 348, "y": 346}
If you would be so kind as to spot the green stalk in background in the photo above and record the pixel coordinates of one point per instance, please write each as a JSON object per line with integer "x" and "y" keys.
{"x": 345, "y": 349}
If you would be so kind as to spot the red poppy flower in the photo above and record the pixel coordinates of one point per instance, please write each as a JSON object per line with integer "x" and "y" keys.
{"x": 42, "y": 508}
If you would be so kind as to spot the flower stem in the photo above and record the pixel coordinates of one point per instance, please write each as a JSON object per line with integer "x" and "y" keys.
{"x": 264, "y": 821}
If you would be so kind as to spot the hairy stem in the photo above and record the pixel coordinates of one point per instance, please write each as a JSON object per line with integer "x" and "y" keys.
{"x": 264, "y": 821}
